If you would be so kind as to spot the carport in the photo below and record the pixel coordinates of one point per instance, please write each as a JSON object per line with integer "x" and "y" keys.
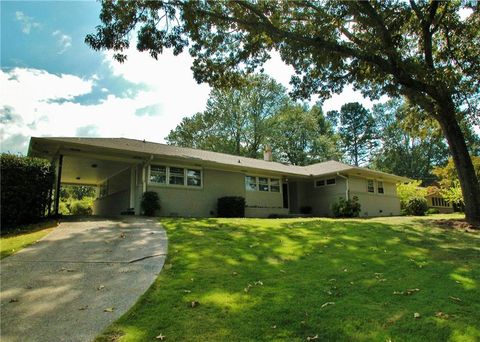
{"x": 119, "y": 178}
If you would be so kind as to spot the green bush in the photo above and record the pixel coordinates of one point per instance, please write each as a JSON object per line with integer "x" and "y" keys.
{"x": 25, "y": 187}
{"x": 81, "y": 207}
{"x": 416, "y": 206}
{"x": 306, "y": 210}
{"x": 431, "y": 211}
{"x": 346, "y": 208}
{"x": 150, "y": 203}
{"x": 231, "y": 206}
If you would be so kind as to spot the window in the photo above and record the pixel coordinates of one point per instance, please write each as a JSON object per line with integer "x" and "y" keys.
{"x": 380, "y": 187}
{"x": 331, "y": 181}
{"x": 274, "y": 185}
{"x": 177, "y": 176}
{"x": 370, "y": 186}
{"x": 320, "y": 182}
{"x": 266, "y": 184}
{"x": 251, "y": 183}
{"x": 194, "y": 177}
{"x": 262, "y": 184}
{"x": 158, "y": 174}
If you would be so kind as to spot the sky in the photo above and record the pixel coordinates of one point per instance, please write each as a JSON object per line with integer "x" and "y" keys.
{"x": 53, "y": 84}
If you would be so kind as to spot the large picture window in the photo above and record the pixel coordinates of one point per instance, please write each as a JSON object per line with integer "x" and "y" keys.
{"x": 177, "y": 176}
{"x": 265, "y": 184}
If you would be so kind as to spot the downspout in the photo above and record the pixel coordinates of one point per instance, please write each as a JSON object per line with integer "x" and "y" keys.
{"x": 347, "y": 191}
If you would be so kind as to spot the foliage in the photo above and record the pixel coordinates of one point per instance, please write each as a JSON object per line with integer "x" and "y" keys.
{"x": 235, "y": 120}
{"x": 150, "y": 203}
{"x": 407, "y": 191}
{"x": 346, "y": 208}
{"x": 306, "y": 209}
{"x": 408, "y": 146}
{"x": 453, "y": 194}
{"x": 448, "y": 174}
{"x": 287, "y": 269}
{"x": 231, "y": 206}
{"x": 422, "y": 50}
{"x": 357, "y": 132}
{"x": 416, "y": 206}
{"x": 431, "y": 211}
{"x": 76, "y": 199}
{"x": 26, "y": 184}
{"x": 302, "y": 136}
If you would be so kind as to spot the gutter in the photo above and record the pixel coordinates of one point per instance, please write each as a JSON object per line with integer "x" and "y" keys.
{"x": 348, "y": 187}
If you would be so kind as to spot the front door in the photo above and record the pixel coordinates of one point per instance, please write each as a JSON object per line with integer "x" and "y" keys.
{"x": 285, "y": 195}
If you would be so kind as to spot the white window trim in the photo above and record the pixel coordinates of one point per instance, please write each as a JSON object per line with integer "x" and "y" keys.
{"x": 383, "y": 187}
{"x": 257, "y": 183}
{"x": 167, "y": 176}
{"x": 373, "y": 181}
{"x": 325, "y": 180}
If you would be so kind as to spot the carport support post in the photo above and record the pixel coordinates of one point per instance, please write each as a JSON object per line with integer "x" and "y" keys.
{"x": 59, "y": 181}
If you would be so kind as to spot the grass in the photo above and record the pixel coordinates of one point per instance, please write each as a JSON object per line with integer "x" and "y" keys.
{"x": 311, "y": 279}
{"x": 22, "y": 237}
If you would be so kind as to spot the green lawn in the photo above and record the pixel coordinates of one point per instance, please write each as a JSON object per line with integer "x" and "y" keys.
{"x": 23, "y": 237}
{"x": 311, "y": 279}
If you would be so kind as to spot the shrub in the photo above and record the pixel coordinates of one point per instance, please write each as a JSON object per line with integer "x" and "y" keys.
{"x": 306, "y": 210}
{"x": 346, "y": 208}
{"x": 407, "y": 191}
{"x": 150, "y": 203}
{"x": 26, "y": 184}
{"x": 81, "y": 207}
{"x": 231, "y": 206}
{"x": 416, "y": 206}
{"x": 431, "y": 211}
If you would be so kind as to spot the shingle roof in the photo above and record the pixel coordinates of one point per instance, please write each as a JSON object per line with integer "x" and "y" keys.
{"x": 163, "y": 150}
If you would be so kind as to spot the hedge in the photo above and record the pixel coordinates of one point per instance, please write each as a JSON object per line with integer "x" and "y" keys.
{"x": 26, "y": 183}
{"x": 231, "y": 206}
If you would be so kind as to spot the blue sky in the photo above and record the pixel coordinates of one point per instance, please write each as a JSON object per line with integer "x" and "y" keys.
{"x": 52, "y": 84}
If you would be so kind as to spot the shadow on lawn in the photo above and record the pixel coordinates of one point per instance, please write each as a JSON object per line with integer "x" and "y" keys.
{"x": 293, "y": 279}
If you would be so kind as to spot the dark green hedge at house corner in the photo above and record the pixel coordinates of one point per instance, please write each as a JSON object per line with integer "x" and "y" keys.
{"x": 25, "y": 187}
{"x": 231, "y": 206}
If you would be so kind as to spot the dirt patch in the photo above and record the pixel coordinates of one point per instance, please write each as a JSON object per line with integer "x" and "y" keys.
{"x": 457, "y": 224}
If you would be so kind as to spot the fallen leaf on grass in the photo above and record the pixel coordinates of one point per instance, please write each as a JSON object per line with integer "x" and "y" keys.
{"x": 186, "y": 291}
{"x": 416, "y": 315}
{"x": 83, "y": 308}
{"x": 160, "y": 337}
{"x": 327, "y": 304}
{"x": 64, "y": 269}
{"x": 312, "y": 338}
{"x": 108, "y": 309}
{"x": 13, "y": 300}
{"x": 194, "y": 304}
{"x": 441, "y": 314}
{"x": 101, "y": 287}
{"x": 455, "y": 299}
{"x": 274, "y": 327}
{"x": 258, "y": 283}
{"x": 123, "y": 236}
{"x": 283, "y": 271}
{"x": 407, "y": 292}
{"x": 234, "y": 273}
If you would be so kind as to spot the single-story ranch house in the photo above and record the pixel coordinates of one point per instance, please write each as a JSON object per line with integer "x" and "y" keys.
{"x": 190, "y": 181}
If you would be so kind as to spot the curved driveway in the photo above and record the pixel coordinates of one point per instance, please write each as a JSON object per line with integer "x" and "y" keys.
{"x": 85, "y": 274}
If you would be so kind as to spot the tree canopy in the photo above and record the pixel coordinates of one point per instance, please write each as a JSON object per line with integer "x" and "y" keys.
{"x": 423, "y": 50}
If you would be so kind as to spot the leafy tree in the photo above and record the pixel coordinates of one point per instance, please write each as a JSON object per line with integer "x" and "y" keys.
{"x": 302, "y": 136}
{"x": 409, "y": 191}
{"x": 422, "y": 50}
{"x": 235, "y": 120}
{"x": 407, "y": 148}
{"x": 357, "y": 132}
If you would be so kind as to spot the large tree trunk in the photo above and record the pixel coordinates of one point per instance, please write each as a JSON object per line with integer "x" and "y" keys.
{"x": 463, "y": 163}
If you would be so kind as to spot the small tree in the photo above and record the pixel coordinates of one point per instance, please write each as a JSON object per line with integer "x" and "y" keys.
{"x": 408, "y": 191}
{"x": 150, "y": 203}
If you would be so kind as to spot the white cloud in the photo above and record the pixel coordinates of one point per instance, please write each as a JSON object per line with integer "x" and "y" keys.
{"x": 64, "y": 41}
{"x": 27, "y": 22}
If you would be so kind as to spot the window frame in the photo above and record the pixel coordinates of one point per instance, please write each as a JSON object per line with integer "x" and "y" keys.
{"x": 378, "y": 187}
{"x": 368, "y": 185}
{"x": 167, "y": 176}
{"x": 325, "y": 182}
{"x": 268, "y": 184}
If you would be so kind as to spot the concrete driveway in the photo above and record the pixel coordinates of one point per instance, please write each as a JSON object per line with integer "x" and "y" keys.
{"x": 85, "y": 274}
